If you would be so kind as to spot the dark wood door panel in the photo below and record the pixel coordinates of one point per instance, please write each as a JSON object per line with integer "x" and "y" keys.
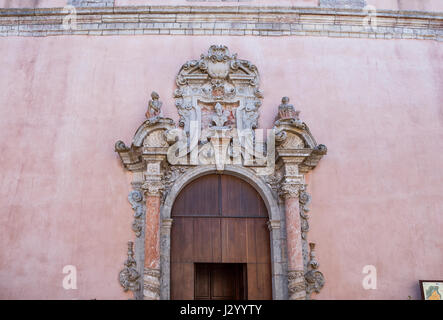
{"x": 182, "y": 240}
{"x": 219, "y": 195}
{"x": 259, "y": 281}
{"x": 220, "y": 281}
{"x": 202, "y": 282}
{"x": 200, "y": 197}
{"x": 240, "y": 199}
{"x": 207, "y": 240}
{"x": 182, "y": 281}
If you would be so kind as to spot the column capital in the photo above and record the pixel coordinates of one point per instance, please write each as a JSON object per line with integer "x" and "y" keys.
{"x": 290, "y": 190}
{"x": 153, "y": 188}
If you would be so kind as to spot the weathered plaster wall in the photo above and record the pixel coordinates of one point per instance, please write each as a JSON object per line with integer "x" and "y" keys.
{"x": 376, "y": 104}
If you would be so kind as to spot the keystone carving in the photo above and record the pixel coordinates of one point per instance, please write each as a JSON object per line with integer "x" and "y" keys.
{"x": 129, "y": 276}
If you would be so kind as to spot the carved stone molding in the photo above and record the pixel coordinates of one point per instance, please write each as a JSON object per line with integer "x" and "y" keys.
{"x": 273, "y": 224}
{"x": 296, "y": 285}
{"x": 151, "y": 284}
{"x": 129, "y": 276}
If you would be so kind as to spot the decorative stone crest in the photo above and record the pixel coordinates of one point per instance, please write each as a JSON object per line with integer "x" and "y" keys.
{"x": 219, "y": 91}
{"x": 129, "y": 276}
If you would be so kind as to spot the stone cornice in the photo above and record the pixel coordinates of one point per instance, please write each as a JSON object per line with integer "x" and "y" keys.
{"x": 223, "y": 20}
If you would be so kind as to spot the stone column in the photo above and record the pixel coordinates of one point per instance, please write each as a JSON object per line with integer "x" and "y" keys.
{"x": 290, "y": 190}
{"x": 153, "y": 187}
{"x": 296, "y": 279}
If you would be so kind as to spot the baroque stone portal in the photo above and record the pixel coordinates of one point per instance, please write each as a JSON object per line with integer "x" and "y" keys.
{"x": 218, "y": 100}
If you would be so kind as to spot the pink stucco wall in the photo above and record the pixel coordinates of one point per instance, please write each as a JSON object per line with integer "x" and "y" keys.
{"x": 376, "y": 104}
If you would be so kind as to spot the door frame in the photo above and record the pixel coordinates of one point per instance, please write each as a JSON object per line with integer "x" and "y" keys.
{"x": 276, "y": 226}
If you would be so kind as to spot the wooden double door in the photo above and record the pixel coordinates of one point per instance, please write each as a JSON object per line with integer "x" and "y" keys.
{"x": 220, "y": 246}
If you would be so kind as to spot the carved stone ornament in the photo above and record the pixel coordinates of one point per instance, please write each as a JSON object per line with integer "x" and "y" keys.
{"x": 218, "y": 101}
{"x": 129, "y": 276}
{"x": 288, "y": 190}
{"x": 297, "y": 286}
{"x": 154, "y": 107}
{"x": 314, "y": 278}
{"x": 136, "y": 199}
{"x": 304, "y": 200}
{"x": 287, "y": 111}
{"x": 219, "y": 91}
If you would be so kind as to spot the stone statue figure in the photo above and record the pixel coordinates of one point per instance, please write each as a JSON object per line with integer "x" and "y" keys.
{"x": 286, "y": 110}
{"x": 220, "y": 117}
{"x": 154, "y": 106}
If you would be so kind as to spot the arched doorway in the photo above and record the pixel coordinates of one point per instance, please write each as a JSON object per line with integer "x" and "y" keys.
{"x": 220, "y": 246}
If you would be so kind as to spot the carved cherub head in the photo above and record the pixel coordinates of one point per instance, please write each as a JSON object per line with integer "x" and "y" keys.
{"x": 154, "y": 95}
{"x": 285, "y": 100}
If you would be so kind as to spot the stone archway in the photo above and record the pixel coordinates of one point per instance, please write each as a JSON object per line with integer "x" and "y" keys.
{"x": 218, "y": 100}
